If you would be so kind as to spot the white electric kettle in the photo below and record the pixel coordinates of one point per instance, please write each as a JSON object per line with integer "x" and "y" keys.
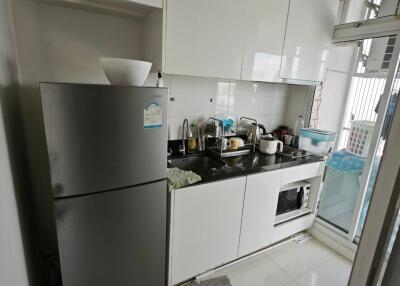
{"x": 269, "y": 144}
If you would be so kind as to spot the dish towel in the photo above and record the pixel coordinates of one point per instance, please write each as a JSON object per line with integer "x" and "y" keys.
{"x": 219, "y": 281}
{"x": 178, "y": 178}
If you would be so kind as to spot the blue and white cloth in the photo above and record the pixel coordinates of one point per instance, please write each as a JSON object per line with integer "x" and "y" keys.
{"x": 341, "y": 161}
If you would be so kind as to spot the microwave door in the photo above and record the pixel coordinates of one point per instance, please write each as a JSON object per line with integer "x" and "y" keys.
{"x": 300, "y": 198}
{"x": 288, "y": 201}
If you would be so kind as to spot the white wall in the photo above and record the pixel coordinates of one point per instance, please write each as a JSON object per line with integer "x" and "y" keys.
{"x": 329, "y": 114}
{"x": 197, "y": 98}
{"x": 59, "y": 44}
{"x": 297, "y": 104}
{"x": 13, "y": 270}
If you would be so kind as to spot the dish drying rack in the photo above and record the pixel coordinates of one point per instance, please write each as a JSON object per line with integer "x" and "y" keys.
{"x": 218, "y": 131}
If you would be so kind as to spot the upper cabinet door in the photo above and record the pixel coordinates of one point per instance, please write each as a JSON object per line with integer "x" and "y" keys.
{"x": 307, "y": 41}
{"x": 204, "y": 38}
{"x": 265, "y": 31}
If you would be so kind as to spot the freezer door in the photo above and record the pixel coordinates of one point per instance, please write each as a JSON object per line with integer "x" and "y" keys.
{"x": 114, "y": 238}
{"x": 102, "y": 137}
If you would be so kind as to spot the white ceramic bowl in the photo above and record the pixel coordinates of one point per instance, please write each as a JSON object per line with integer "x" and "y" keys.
{"x": 125, "y": 72}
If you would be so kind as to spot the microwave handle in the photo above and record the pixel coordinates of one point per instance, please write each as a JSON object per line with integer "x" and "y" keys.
{"x": 300, "y": 198}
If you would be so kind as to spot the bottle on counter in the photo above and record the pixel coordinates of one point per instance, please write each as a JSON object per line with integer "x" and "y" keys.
{"x": 192, "y": 143}
{"x": 297, "y": 126}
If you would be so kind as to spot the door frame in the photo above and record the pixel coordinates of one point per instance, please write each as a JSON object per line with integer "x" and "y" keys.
{"x": 372, "y": 247}
{"x": 351, "y": 234}
{"x": 380, "y": 213}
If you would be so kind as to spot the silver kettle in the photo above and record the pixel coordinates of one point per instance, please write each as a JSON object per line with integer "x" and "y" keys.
{"x": 251, "y": 130}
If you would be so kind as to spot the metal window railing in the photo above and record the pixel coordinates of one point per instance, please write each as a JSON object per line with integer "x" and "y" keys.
{"x": 365, "y": 91}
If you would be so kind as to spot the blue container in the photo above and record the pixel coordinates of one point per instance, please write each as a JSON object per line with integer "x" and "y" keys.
{"x": 318, "y": 135}
{"x": 317, "y": 142}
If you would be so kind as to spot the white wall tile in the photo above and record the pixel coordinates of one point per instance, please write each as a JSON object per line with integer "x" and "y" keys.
{"x": 244, "y": 105}
{"x": 258, "y": 88}
{"x": 192, "y": 104}
{"x": 279, "y": 105}
{"x": 175, "y": 125}
{"x": 198, "y": 85}
{"x": 198, "y": 98}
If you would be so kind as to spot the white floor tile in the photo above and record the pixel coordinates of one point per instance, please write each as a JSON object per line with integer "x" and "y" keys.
{"x": 306, "y": 264}
{"x": 335, "y": 272}
{"x": 255, "y": 272}
{"x": 296, "y": 259}
{"x": 292, "y": 283}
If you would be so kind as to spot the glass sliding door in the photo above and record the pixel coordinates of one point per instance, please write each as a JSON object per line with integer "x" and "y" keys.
{"x": 351, "y": 171}
{"x": 377, "y": 229}
{"x": 393, "y": 99}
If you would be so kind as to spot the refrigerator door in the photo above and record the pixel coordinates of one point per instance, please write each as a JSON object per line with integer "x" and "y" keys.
{"x": 114, "y": 238}
{"x": 102, "y": 137}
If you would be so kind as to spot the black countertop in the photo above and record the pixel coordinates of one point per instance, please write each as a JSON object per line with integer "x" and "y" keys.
{"x": 243, "y": 165}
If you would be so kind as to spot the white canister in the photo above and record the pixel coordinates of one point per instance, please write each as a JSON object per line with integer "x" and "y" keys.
{"x": 269, "y": 144}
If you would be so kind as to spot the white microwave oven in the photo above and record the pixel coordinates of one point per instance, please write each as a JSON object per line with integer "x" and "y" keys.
{"x": 293, "y": 201}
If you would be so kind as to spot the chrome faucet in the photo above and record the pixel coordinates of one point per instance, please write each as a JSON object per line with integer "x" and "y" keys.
{"x": 182, "y": 147}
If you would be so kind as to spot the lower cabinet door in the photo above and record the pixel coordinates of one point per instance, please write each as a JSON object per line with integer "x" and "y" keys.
{"x": 205, "y": 227}
{"x": 261, "y": 199}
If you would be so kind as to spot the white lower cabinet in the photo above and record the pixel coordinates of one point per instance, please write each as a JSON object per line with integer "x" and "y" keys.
{"x": 287, "y": 229}
{"x": 206, "y": 227}
{"x": 259, "y": 210}
{"x": 215, "y": 223}
{"x": 302, "y": 172}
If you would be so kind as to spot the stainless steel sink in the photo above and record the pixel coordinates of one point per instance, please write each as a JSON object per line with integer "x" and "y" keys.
{"x": 196, "y": 163}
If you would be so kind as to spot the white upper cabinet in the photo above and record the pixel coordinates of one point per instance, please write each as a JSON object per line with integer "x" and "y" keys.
{"x": 204, "y": 38}
{"x": 265, "y": 31}
{"x": 308, "y": 36}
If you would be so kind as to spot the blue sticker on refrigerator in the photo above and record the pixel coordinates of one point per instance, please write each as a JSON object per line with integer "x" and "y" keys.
{"x": 152, "y": 116}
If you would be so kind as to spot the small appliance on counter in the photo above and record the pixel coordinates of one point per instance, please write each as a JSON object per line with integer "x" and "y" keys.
{"x": 251, "y": 129}
{"x": 316, "y": 141}
{"x": 269, "y": 144}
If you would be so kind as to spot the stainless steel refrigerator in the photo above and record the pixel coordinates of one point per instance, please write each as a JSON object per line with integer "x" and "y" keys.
{"x": 107, "y": 148}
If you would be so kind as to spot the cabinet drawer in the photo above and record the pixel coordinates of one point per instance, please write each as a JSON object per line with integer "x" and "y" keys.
{"x": 302, "y": 172}
{"x": 287, "y": 229}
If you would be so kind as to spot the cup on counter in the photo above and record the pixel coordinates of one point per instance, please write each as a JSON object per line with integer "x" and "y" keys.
{"x": 224, "y": 143}
{"x": 235, "y": 143}
{"x": 288, "y": 139}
